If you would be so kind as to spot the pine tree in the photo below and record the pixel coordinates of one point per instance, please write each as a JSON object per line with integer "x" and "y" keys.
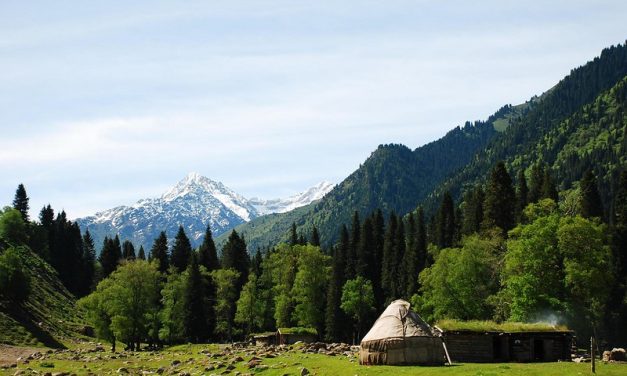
{"x": 549, "y": 190}
{"x": 522, "y": 194}
{"x": 195, "y": 303}
{"x": 46, "y": 217}
{"x": 445, "y": 227}
{"x": 293, "y": 234}
{"x": 500, "y": 200}
{"x": 128, "y": 250}
{"x": 537, "y": 180}
{"x": 141, "y": 254}
{"x": 159, "y": 252}
{"x": 181, "y": 251}
{"x": 109, "y": 257}
{"x": 89, "y": 262}
{"x": 590, "y": 200}
{"x": 20, "y": 202}
{"x": 616, "y": 320}
{"x": 421, "y": 240}
{"x": 366, "y": 266}
{"x": 207, "y": 254}
{"x": 235, "y": 256}
{"x": 315, "y": 237}
{"x": 334, "y": 316}
{"x": 351, "y": 255}
{"x": 472, "y": 214}
{"x": 389, "y": 266}
{"x": 378, "y": 234}
{"x": 409, "y": 265}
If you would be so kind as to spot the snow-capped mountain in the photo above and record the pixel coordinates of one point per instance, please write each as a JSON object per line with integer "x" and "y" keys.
{"x": 282, "y": 205}
{"x": 193, "y": 202}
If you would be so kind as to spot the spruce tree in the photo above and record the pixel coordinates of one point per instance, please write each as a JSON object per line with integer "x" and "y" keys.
{"x": 159, "y": 252}
{"x": 207, "y": 254}
{"x": 315, "y": 237}
{"x": 522, "y": 194}
{"x": 366, "y": 266}
{"x": 108, "y": 257}
{"x": 409, "y": 266}
{"x": 46, "y": 217}
{"x": 500, "y": 200}
{"x": 537, "y": 180}
{"x": 421, "y": 240}
{"x": 293, "y": 234}
{"x": 351, "y": 256}
{"x": 235, "y": 256}
{"x": 590, "y": 199}
{"x": 141, "y": 254}
{"x": 549, "y": 190}
{"x": 472, "y": 214}
{"x": 128, "y": 250}
{"x": 388, "y": 267}
{"x": 334, "y": 316}
{"x": 89, "y": 262}
{"x": 181, "y": 251}
{"x": 616, "y": 320}
{"x": 195, "y": 304}
{"x": 20, "y": 202}
{"x": 445, "y": 227}
{"x": 378, "y": 234}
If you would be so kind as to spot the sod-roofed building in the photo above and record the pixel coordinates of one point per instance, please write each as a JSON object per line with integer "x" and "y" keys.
{"x": 484, "y": 342}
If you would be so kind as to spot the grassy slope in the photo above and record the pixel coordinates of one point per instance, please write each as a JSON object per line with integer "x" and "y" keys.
{"x": 48, "y": 317}
{"x": 290, "y": 363}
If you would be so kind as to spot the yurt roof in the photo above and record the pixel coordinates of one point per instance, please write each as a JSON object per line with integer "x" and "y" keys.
{"x": 398, "y": 320}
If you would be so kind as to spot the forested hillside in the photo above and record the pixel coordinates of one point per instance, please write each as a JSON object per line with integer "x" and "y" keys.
{"x": 394, "y": 178}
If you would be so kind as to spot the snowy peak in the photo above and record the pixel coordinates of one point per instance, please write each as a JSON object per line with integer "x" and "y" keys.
{"x": 194, "y": 202}
{"x": 197, "y": 187}
{"x": 282, "y": 205}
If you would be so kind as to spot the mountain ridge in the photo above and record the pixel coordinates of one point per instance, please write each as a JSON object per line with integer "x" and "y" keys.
{"x": 194, "y": 202}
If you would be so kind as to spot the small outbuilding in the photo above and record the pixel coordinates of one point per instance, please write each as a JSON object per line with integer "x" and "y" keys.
{"x": 401, "y": 337}
{"x": 288, "y": 336}
{"x": 485, "y": 342}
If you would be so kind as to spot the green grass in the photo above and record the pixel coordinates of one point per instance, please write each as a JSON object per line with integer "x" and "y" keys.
{"x": 194, "y": 362}
{"x": 298, "y": 331}
{"x": 48, "y": 317}
{"x": 491, "y": 326}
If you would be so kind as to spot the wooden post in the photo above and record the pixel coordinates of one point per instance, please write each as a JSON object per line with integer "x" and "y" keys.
{"x": 592, "y": 355}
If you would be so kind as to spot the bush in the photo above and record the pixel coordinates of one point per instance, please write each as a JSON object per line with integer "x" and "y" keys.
{"x": 14, "y": 282}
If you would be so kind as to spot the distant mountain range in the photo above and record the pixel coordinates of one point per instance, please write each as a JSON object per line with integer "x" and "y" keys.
{"x": 194, "y": 202}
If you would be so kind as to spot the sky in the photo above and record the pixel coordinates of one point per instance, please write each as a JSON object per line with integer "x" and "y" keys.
{"x": 106, "y": 102}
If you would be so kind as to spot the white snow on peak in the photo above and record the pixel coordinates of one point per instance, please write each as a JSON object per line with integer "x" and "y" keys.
{"x": 282, "y": 205}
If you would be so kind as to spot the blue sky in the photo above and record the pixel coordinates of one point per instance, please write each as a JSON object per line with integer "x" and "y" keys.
{"x": 103, "y": 103}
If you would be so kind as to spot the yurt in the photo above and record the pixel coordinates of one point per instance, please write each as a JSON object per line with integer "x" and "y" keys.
{"x": 400, "y": 336}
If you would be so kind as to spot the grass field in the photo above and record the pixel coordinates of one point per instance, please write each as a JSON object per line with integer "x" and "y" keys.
{"x": 212, "y": 359}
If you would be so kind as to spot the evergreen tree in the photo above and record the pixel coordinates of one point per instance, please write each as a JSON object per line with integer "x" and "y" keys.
{"x": 181, "y": 251}
{"x": 353, "y": 244}
{"x": 128, "y": 250}
{"x": 20, "y": 202}
{"x": 522, "y": 194}
{"x": 366, "y": 266}
{"x": 445, "y": 227}
{"x": 159, "y": 252}
{"x": 549, "y": 190}
{"x": 235, "y": 256}
{"x": 334, "y": 317}
{"x": 46, "y": 217}
{"x": 378, "y": 234}
{"x": 89, "y": 263}
{"x": 500, "y": 200}
{"x": 141, "y": 254}
{"x": 390, "y": 256}
{"x": 590, "y": 200}
{"x": 195, "y": 303}
{"x": 293, "y": 234}
{"x": 409, "y": 265}
{"x": 421, "y": 240}
{"x": 315, "y": 237}
{"x": 472, "y": 214}
{"x": 537, "y": 180}
{"x": 109, "y": 257}
{"x": 207, "y": 254}
{"x": 616, "y": 320}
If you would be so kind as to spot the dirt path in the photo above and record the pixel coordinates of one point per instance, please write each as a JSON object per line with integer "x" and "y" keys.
{"x": 9, "y": 354}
